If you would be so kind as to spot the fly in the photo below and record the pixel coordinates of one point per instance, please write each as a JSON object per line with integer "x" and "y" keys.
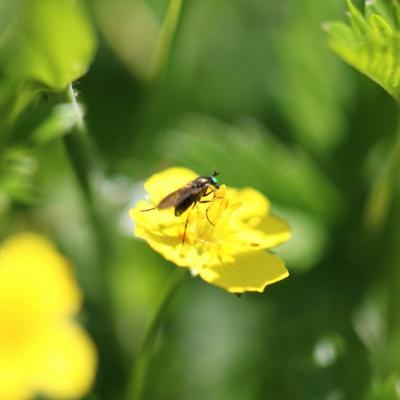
{"x": 188, "y": 196}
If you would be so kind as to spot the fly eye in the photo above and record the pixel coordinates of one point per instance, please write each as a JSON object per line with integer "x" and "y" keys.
{"x": 214, "y": 181}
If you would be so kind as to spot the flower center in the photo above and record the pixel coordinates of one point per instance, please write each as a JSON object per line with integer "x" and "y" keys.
{"x": 208, "y": 226}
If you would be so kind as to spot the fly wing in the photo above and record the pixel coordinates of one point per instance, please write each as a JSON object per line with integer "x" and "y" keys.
{"x": 174, "y": 198}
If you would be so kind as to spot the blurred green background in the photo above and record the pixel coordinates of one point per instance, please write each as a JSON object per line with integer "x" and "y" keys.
{"x": 249, "y": 88}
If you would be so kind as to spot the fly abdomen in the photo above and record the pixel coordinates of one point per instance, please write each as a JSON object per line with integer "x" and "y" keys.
{"x": 181, "y": 207}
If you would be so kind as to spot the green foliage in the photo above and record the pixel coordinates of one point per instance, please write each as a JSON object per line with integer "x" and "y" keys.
{"x": 315, "y": 80}
{"x": 50, "y": 43}
{"x": 44, "y": 44}
{"x": 59, "y": 122}
{"x": 248, "y": 88}
{"x": 386, "y": 389}
{"x": 17, "y": 171}
{"x": 371, "y": 42}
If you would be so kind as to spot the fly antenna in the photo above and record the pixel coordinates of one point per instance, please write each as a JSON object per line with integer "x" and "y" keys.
{"x": 215, "y": 173}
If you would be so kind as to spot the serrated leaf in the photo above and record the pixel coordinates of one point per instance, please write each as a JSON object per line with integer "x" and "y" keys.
{"x": 371, "y": 44}
{"x": 357, "y": 21}
{"x": 380, "y": 27}
{"x": 343, "y": 33}
{"x": 384, "y": 8}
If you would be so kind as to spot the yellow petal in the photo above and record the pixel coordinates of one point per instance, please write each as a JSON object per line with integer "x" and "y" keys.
{"x": 252, "y": 203}
{"x": 155, "y": 219}
{"x": 267, "y": 232}
{"x": 248, "y": 272}
{"x": 15, "y": 382}
{"x": 166, "y": 182}
{"x": 275, "y": 227}
{"x": 67, "y": 367}
{"x": 33, "y": 273}
{"x": 171, "y": 248}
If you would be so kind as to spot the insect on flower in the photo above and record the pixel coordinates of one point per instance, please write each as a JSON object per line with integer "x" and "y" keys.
{"x": 188, "y": 196}
{"x": 230, "y": 254}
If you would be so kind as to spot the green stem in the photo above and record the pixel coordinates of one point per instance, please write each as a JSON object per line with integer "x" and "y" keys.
{"x": 165, "y": 38}
{"x": 138, "y": 375}
{"x": 98, "y": 299}
{"x": 76, "y": 145}
{"x": 382, "y": 193}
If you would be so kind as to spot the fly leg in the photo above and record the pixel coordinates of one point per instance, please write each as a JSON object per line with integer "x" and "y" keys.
{"x": 212, "y": 191}
{"x": 207, "y": 201}
{"x": 207, "y": 194}
{"x": 148, "y": 209}
{"x": 186, "y": 223}
{"x": 208, "y": 219}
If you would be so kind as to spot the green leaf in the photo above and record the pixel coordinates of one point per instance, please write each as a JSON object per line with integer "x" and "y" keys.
{"x": 371, "y": 43}
{"x": 50, "y": 42}
{"x": 385, "y": 8}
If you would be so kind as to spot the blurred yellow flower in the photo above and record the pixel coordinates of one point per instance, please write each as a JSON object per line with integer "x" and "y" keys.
{"x": 229, "y": 254}
{"x": 42, "y": 349}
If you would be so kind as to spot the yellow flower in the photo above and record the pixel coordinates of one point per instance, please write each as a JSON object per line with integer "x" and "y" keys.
{"x": 231, "y": 253}
{"x": 42, "y": 349}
